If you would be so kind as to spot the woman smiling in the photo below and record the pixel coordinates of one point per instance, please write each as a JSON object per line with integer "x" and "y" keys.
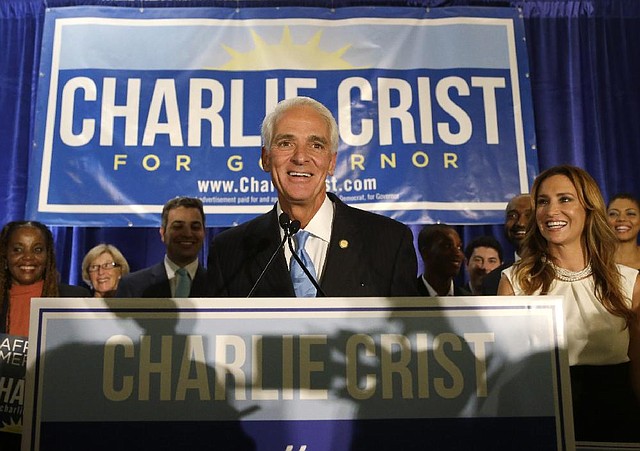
{"x": 569, "y": 250}
{"x": 102, "y": 268}
{"x": 29, "y": 270}
{"x": 623, "y": 215}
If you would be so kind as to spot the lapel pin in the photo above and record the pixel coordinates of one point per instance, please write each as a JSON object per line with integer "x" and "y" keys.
{"x": 343, "y": 244}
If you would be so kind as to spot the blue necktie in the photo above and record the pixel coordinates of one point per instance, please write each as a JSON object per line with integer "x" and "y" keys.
{"x": 183, "y": 287}
{"x": 302, "y": 285}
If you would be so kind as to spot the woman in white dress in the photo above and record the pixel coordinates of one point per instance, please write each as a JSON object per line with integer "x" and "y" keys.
{"x": 569, "y": 250}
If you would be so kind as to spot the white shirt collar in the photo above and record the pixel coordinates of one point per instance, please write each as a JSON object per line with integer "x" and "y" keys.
{"x": 171, "y": 268}
{"x": 320, "y": 234}
{"x": 434, "y": 293}
{"x": 320, "y": 224}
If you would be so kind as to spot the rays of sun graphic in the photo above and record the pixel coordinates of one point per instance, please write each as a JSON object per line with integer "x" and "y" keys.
{"x": 286, "y": 55}
{"x": 12, "y": 426}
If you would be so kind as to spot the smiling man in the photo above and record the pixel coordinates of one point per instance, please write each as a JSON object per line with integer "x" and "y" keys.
{"x": 517, "y": 214}
{"x": 483, "y": 254}
{"x": 350, "y": 252}
{"x": 180, "y": 275}
{"x": 441, "y": 251}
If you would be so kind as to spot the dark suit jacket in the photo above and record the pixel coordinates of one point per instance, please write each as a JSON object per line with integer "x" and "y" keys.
{"x": 368, "y": 255}
{"x": 422, "y": 289}
{"x": 153, "y": 282}
{"x": 73, "y": 291}
{"x": 492, "y": 280}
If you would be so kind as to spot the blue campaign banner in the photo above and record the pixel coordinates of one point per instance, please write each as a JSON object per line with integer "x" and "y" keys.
{"x": 333, "y": 375}
{"x": 136, "y": 106}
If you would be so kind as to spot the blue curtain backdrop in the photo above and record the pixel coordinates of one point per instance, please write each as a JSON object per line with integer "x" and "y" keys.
{"x": 584, "y": 58}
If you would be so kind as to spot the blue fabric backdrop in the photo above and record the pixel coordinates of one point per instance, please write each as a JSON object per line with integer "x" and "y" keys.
{"x": 584, "y": 57}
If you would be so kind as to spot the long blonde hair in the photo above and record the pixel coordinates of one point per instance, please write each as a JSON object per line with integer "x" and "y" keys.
{"x": 598, "y": 240}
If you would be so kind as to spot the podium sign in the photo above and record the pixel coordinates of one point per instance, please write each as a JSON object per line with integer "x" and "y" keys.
{"x": 291, "y": 374}
{"x": 13, "y": 362}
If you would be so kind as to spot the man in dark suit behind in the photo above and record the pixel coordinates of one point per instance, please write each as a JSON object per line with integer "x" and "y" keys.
{"x": 182, "y": 232}
{"x": 517, "y": 215}
{"x": 440, "y": 247}
{"x": 353, "y": 253}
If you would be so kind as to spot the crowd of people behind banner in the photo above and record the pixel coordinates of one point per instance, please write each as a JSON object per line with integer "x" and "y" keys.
{"x": 566, "y": 241}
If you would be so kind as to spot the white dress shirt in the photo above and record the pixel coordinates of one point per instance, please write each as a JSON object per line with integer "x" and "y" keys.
{"x": 434, "y": 293}
{"x": 319, "y": 229}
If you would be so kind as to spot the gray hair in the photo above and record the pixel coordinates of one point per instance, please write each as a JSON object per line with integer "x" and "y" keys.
{"x": 269, "y": 122}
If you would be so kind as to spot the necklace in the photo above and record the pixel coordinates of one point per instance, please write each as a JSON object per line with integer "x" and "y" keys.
{"x": 571, "y": 276}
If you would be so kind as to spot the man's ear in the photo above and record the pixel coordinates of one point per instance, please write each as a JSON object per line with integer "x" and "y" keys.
{"x": 161, "y": 234}
{"x": 266, "y": 161}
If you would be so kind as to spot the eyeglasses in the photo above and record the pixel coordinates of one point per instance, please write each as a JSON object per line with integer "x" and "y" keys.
{"x": 106, "y": 266}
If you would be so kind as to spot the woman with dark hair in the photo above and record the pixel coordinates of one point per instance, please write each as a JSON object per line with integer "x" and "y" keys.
{"x": 623, "y": 214}
{"x": 569, "y": 249}
{"x": 29, "y": 270}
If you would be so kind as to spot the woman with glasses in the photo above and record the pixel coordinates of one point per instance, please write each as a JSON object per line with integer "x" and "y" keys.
{"x": 102, "y": 269}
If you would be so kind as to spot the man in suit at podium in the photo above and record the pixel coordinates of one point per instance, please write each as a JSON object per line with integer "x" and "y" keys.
{"x": 180, "y": 274}
{"x": 347, "y": 251}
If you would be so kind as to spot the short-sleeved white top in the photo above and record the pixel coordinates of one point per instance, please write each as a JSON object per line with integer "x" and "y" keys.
{"x": 594, "y": 336}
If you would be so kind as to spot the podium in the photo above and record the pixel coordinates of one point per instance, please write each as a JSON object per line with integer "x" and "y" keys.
{"x": 454, "y": 373}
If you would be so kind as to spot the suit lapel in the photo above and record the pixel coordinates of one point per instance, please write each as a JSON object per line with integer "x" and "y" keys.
{"x": 266, "y": 241}
{"x": 159, "y": 286}
{"x": 199, "y": 285}
{"x": 343, "y": 248}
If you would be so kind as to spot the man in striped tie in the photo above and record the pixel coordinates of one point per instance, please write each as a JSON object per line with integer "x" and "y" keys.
{"x": 348, "y": 252}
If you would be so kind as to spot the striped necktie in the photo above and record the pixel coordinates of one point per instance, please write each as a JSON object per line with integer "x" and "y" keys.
{"x": 302, "y": 285}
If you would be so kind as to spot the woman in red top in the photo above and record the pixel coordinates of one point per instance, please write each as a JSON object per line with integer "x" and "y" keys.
{"x": 29, "y": 263}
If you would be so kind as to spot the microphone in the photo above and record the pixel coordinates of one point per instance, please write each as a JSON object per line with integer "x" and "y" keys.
{"x": 293, "y": 229}
{"x": 285, "y": 223}
{"x": 294, "y": 226}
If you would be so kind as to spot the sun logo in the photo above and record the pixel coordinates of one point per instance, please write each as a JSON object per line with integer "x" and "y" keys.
{"x": 12, "y": 426}
{"x": 286, "y": 55}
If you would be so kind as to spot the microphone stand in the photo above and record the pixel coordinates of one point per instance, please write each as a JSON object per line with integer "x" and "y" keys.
{"x": 285, "y": 223}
